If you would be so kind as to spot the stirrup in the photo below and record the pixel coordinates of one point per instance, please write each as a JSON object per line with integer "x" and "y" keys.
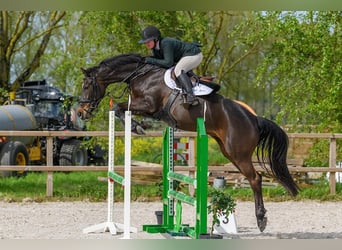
{"x": 189, "y": 100}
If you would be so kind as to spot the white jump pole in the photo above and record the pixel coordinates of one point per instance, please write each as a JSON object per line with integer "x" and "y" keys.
{"x": 127, "y": 181}
{"x": 110, "y": 226}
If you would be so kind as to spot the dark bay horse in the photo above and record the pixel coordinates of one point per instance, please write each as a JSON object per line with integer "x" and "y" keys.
{"x": 237, "y": 131}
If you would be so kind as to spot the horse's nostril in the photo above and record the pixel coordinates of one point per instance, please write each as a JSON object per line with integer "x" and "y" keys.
{"x": 80, "y": 112}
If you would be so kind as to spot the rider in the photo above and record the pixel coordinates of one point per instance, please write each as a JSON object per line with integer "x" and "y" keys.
{"x": 168, "y": 52}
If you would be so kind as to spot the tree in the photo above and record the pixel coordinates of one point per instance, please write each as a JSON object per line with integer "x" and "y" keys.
{"x": 235, "y": 49}
{"x": 24, "y": 37}
{"x": 303, "y": 67}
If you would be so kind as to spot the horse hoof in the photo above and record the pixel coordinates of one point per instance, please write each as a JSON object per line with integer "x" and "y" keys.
{"x": 139, "y": 130}
{"x": 262, "y": 224}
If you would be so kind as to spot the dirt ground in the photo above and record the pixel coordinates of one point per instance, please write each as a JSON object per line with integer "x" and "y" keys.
{"x": 66, "y": 220}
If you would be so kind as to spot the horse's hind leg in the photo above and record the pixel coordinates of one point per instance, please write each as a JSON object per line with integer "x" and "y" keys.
{"x": 255, "y": 180}
{"x": 241, "y": 158}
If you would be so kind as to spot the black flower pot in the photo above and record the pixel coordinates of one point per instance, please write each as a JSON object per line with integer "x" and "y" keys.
{"x": 159, "y": 215}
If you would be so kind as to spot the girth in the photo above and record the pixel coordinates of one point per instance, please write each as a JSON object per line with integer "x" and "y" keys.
{"x": 165, "y": 114}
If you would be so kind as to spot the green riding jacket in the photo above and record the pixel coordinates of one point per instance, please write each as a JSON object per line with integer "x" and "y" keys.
{"x": 171, "y": 51}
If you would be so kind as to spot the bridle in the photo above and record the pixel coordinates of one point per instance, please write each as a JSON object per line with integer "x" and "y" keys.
{"x": 95, "y": 95}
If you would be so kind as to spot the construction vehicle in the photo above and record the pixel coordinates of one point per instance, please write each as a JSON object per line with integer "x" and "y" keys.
{"x": 40, "y": 107}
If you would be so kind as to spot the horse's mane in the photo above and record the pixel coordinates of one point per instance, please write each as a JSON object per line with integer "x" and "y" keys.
{"x": 120, "y": 60}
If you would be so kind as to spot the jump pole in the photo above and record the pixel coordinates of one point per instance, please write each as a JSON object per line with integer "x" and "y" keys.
{"x": 110, "y": 225}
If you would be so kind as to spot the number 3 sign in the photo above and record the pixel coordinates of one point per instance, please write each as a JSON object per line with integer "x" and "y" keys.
{"x": 227, "y": 224}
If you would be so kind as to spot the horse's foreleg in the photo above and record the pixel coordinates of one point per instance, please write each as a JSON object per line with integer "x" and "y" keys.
{"x": 136, "y": 127}
{"x": 119, "y": 112}
{"x": 255, "y": 181}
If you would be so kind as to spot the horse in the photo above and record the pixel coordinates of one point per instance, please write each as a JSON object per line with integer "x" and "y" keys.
{"x": 238, "y": 132}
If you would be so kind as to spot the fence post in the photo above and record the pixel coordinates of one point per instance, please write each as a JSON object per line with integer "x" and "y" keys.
{"x": 168, "y": 204}
{"x": 202, "y": 182}
{"x": 49, "y": 162}
{"x": 332, "y": 164}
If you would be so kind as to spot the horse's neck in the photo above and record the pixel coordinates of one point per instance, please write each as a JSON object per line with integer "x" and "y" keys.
{"x": 133, "y": 74}
{"x": 147, "y": 71}
{"x": 148, "y": 77}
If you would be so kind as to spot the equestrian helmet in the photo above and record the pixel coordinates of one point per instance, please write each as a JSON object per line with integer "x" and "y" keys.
{"x": 150, "y": 33}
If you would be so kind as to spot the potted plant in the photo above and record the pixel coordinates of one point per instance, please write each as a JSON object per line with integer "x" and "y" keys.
{"x": 221, "y": 204}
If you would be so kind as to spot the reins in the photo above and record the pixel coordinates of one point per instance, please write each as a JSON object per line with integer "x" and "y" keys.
{"x": 127, "y": 79}
{"x": 96, "y": 98}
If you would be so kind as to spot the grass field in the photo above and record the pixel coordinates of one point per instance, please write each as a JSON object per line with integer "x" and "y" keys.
{"x": 86, "y": 186}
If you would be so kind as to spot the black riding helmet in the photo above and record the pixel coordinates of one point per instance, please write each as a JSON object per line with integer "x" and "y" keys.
{"x": 150, "y": 33}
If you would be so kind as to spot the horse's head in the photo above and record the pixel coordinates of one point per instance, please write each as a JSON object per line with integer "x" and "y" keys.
{"x": 91, "y": 95}
{"x": 119, "y": 68}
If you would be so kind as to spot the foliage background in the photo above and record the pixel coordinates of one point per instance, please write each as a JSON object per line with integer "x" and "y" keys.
{"x": 285, "y": 64}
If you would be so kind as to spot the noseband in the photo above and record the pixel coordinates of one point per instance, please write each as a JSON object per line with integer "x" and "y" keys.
{"x": 94, "y": 97}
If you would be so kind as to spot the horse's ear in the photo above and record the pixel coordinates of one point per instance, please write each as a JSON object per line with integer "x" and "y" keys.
{"x": 84, "y": 72}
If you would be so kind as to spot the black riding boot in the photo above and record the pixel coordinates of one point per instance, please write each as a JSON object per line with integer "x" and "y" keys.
{"x": 186, "y": 84}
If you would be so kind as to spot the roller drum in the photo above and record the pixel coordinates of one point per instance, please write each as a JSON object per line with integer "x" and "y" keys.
{"x": 17, "y": 118}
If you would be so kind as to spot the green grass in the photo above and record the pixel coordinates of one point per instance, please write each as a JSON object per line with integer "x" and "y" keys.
{"x": 86, "y": 186}
{"x": 69, "y": 186}
{"x": 319, "y": 191}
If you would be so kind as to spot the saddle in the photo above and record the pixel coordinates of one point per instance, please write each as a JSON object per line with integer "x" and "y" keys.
{"x": 201, "y": 86}
{"x": 195, "y": 79}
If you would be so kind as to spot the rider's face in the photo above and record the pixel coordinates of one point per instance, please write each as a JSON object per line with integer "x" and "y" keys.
{"x": 150, "y": 44}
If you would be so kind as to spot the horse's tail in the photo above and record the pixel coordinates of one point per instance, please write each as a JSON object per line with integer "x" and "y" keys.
{"x": 272, "y": 149}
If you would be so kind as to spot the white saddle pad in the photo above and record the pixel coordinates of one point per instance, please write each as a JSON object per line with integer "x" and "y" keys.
{"x": 198, "y": 88}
